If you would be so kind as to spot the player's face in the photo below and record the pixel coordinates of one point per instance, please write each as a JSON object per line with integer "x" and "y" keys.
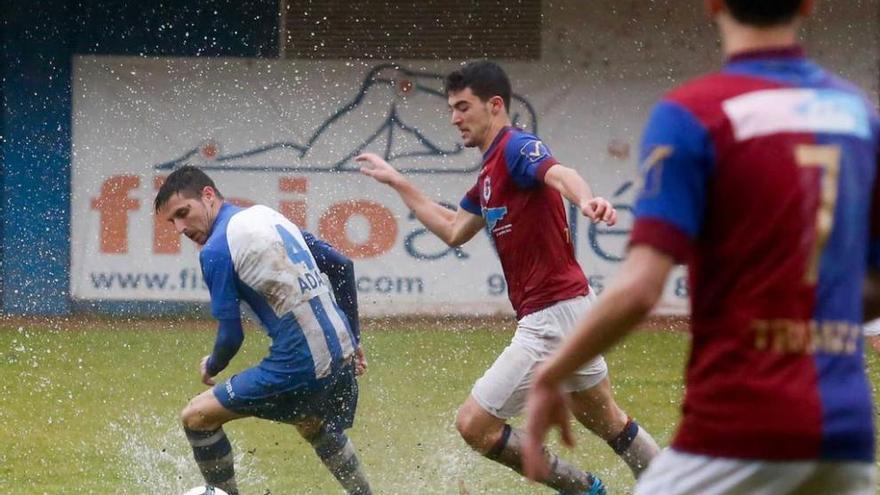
{"x": 192, "y": 217}
{"x": 471, "y": 116}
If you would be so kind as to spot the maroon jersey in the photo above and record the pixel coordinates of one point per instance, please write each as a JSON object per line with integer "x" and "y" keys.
{"x": 526, "y": 221}
{"x": 761, "y": 178}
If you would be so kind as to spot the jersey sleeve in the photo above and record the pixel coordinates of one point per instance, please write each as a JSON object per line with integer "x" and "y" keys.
{"x": 527, "y": 159}
{"x": 471, "y": 201}
{"x": 340, "y": 270}
{"x": 676, "y": 161}
{"x": 219, "y": 274}
{"x": 230, "y": 336}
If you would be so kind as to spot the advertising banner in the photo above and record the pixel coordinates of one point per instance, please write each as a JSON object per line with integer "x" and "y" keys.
{"x": 284, "y": 133}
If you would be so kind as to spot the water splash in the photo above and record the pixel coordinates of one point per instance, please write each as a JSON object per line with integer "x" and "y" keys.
{"x": 156, "y": 457}
{"x": 442, "y": 458}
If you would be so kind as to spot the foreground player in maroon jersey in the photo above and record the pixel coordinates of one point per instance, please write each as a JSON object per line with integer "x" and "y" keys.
{"x": 518, "y": 197}
{"x": 760, "y": 177}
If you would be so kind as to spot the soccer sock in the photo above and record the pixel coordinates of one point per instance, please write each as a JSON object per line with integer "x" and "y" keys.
{"x": 563, "y": 477}
{"x": 635, "y": 446}
{"x": 213, "y": 454}
{"x": 337, "y": 453}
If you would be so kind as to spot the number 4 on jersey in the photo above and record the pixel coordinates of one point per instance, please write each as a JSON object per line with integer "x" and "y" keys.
{"x": 295, "y": 251}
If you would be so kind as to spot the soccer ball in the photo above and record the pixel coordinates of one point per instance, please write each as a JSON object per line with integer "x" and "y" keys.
{"x": 205, "y": 490}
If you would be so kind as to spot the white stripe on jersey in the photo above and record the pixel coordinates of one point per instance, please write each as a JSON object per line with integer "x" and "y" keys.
{"x": 315, "y": 339}
{"x": 772, "y": 111}
{"x": 341, "y": 331}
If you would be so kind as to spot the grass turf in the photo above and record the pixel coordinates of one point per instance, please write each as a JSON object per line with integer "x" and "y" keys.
{"x": 93, "y": 408}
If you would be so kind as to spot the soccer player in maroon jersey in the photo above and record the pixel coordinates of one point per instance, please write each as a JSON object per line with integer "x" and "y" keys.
{"x": 760, "y": 177}
{"x": 518, "y": 198}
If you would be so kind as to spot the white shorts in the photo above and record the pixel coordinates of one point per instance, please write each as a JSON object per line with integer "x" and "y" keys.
{"x": 872, "y": 328}
{"x": 678, "y": 473}
{"x": 503, "y": 388}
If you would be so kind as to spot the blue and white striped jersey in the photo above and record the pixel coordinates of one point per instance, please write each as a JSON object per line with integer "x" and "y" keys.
{"x": 258, "y": 256}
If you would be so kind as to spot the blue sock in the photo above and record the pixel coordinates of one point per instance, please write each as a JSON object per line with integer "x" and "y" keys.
{"x": 213, "y": 454}
{"x": 337, "y": 453}
{"x": 625, "y": 438}
{"x": 635, "y": 446}
{"x": 563, "y": 476}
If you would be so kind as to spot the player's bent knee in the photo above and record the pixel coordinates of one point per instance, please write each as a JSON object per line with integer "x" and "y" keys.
{"x": 189, "y": 418}
{"x": 465, "y": 424}
{"x": 194, "y": 417}
{"x": 474, "y": 432}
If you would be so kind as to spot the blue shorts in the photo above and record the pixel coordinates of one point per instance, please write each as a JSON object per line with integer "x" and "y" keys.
{"x": 334, "y": 399}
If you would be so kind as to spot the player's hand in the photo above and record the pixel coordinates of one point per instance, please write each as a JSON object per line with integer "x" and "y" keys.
{"x": 547, "y": 407}
{"x": 360, "y": 361}
{"x": 599, "y": 210}
{"x": 203, "y": 370}
{"x": 374, "y": 166}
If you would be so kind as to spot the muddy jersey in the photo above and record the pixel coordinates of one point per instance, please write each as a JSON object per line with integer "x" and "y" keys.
{"x": 257, "y": 256}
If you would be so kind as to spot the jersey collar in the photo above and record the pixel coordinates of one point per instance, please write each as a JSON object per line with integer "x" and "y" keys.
{"x": 226, "y": 209}
{"x": 495, "y": 141}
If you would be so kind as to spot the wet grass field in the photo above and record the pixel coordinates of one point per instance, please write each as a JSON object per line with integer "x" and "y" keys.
{"x": 92, "y": 407}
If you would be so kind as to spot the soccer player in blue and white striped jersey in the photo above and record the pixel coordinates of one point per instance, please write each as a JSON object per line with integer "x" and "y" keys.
{"x": 304, "y": 295}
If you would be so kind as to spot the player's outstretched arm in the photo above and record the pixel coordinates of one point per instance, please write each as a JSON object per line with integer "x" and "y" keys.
{"x": 574, "y": 188}
{"x": 634, "y": 292}
{"x": 452, "y": 227}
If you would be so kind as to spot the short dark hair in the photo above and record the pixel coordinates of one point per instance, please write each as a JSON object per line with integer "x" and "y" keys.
{"x": 188, "y": 181}
{"x": 486, "y": 79}
{"x": 763, "y": 13}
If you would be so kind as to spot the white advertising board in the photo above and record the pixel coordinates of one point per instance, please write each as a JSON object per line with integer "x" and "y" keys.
{"x": 283, "y": 134}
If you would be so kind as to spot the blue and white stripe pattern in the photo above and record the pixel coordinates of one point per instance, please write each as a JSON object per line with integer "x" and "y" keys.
{"x": 276, "y": 274}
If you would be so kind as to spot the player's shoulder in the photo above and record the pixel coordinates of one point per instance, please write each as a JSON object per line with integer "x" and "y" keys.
{"x": 702, "y": 98}
{"x": 846, "y": 86}
{"x": 517, "y": 135}
{"x": 252, "y": 213}
{"x": 711, "y": 90}
{"x": 524, "y": 143}
{"x": 256, "y": 228}
{"x": 253, "y": 220}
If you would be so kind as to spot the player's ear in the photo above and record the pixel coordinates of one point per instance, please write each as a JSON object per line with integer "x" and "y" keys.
{"x": 497, "y": 104}
{"x": 208, "y": 193}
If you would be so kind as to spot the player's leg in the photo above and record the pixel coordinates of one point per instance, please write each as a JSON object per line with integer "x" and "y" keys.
{"x": 500, "y": 442}
{"x": 500, "y": 394}
{"x": 592, "y": 400}
{"x": 332, "y": 412}
{"x": 203, "y": 419}
{"x": 596, "y": 409}
{"x": 336, "y": 451}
